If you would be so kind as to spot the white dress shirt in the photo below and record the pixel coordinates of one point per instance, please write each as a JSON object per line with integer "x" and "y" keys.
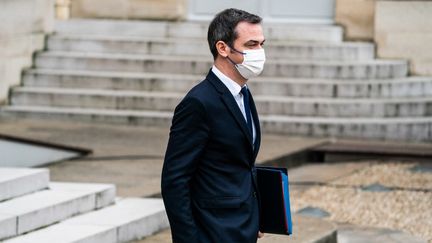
{"x": 235, "y": 89}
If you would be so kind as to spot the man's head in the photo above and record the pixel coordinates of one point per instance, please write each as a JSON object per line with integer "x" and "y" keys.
{"x": 223, "y": 27}
{"x": 230, "y": 34}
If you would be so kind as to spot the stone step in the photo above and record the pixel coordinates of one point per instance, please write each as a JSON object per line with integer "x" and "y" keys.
{"x": 356, "y": 234}
{"x": 266, "y": 105}
{"x": 405, "y": 128}
{"x": 376, "y": 148}
{"x": 193, "y": 47}
{"x": 306, "y": 230}
{"x": 129, "y": 219}
{"x": 372, "y": 69}
{"x": 61, "y": 201}
{"x": 381, "y": 88}
{"x": 16, "y": 182}
{"x": 142, "y": 118}
{"x": 189, "y": 29}
{"x": 416, "y": 129}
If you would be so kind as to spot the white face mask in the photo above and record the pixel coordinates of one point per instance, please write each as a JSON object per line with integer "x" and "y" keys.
{"x": 253, "y": 63}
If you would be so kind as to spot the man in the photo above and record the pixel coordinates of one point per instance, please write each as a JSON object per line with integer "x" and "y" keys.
{"x": 208, "y": 178}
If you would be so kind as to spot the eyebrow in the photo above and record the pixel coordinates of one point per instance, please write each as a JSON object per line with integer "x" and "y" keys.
{"x": 254, "y": 42}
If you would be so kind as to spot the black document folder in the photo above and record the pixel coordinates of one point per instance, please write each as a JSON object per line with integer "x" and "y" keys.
{"x": 275, "y": 203}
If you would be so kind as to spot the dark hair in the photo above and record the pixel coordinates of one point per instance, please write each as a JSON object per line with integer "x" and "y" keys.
{"x": 222, "y": 27}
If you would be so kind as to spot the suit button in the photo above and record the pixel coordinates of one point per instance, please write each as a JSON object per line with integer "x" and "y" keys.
{"x": 254, "y": 194}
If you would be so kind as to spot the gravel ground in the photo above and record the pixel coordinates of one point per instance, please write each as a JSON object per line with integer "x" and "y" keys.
{"x": 408, "y": 208}
{"x": 389, "y": 174}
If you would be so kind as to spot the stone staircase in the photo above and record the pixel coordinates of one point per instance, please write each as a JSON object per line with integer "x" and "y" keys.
{"x": 135, "y": 72}
{"x": 33, "y": 209}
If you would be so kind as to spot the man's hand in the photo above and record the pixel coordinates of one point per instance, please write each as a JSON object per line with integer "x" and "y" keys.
{"x": 260, "y": 235}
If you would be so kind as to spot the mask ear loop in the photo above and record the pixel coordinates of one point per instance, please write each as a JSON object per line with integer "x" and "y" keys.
{"x": 235, "y": 64}
{"x": 237, "y": 51}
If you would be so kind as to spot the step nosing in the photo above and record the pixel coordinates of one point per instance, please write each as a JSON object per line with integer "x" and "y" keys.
{"x": 121, "y": 56}
{"x": 111, "y": 74}
{"x": 146, "y": 57}
{"x": 195, "y": 77}
{"x": 96, "y": 92}
{"x": 177, "y": 95}
{"x": 197, "y": 23}
{"x": 262, "y": 117}
{"x": 87, "y": 111}
{"x": 117, "y": 219}
{"x": 21, "y": 181}
{"x": 188, "y": 40}
{"x": 63, "y": 197}
{"x": 342, "y": 120}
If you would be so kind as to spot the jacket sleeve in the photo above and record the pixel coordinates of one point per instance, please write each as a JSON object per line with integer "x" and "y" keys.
{"x": 188, "y": 137}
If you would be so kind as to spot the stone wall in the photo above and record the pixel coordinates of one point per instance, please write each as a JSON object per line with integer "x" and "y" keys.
{"x": 129, "y": 9}
{"x": 403, "y": 29}
{"x": 357, "y": 18}
{"x": 62, "y": 9}
{"x": 22, "y": 27}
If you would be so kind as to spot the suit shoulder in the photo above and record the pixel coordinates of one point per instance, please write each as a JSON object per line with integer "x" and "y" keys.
{"x": 196, "y": 101}
{"x": 202, "y": 92}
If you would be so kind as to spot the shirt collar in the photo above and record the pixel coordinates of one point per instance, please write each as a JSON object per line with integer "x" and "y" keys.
{"x": 232, "y": 86}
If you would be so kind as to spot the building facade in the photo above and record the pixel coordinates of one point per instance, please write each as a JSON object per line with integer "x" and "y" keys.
{"x": 285, "y": 11}
{"x": 401, "y": 29}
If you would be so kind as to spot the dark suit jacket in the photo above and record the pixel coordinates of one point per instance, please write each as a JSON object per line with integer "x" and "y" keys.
{"x": 208, "y": 177}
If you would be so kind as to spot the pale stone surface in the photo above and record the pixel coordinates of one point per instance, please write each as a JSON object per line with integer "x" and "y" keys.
{"x": 16, "y": 54}
{"x": 44, "y": 208}
{"x": 8, "y": 225}
{"x": 394, "y": 128}
{"x": 357, "y": 16}
{"x": 121, "y": 107}
{"x": 21, "y": 45}
{"x": 320, "y": 173}
{"x": 369, "y": 69}
{"x": 134, "y": 218}
{"x": 130, "y": 9}
{"x": 326, "y": 33}
{"x": 61, "y": 201}
{"x": 19, "y": 181}
{"x": 355, "y": 234}
{"x": 22, "y": 25}
{"x": 409, "y": 129}
{"x": 403, "y": 30}
{"x": 124, "y": 155}
{"x": 69, "y": 234}
{"x": 129, "y": 219}
{"x": 298, "y": 87}
{"x": 129, "y": 156}
{"x": 305, "y": 230}
{"x": 23, "y": 17}
{"x": 275, "y": 50}
{"x": 266, "y": 104}
{"x": 291, "y": 32}
{"x": 62, "y": 9}
{"x": 104, "y": 193}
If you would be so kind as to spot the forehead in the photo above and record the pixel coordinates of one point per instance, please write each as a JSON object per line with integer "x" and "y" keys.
{"x": 247, "y": 31}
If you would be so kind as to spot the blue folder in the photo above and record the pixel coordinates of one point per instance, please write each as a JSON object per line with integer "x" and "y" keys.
{"x": 275, "y": 215}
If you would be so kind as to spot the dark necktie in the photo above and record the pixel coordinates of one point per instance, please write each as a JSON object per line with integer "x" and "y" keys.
{"x": 245, "y": 94}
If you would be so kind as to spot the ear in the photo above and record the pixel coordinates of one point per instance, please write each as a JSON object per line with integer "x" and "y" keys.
{"x": 222, "y": 48}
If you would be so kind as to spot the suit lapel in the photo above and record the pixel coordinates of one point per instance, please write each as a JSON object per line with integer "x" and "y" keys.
{"x": 231, "y": 104}
{"x": 257, "y": 126}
